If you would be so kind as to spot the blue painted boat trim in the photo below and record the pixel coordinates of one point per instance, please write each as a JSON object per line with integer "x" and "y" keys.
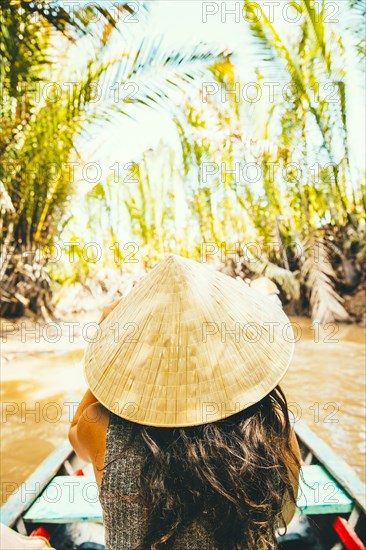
{"x": 337, "y": 467}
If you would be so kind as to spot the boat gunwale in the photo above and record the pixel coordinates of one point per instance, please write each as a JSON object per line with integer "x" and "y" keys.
{"x": 19, "y": 502}
{"x": 340, "y": 470}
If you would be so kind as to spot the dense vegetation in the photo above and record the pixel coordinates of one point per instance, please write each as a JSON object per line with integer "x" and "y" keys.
{"x": 278, "y": 173}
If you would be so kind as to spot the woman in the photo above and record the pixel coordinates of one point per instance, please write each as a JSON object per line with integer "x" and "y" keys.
{"x": 185, "y": 424}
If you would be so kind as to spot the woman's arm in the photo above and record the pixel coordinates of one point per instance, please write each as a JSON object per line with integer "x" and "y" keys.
{"x": 79, "y": 432}
{"x": 87, "y": 400}
{"x": 89, "y": 417}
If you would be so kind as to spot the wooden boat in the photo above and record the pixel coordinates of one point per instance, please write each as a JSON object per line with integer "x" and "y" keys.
{"x": 61, "y": 496}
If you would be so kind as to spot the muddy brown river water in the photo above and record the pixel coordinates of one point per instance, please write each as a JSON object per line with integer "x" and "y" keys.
{"x": 41, "y": 386}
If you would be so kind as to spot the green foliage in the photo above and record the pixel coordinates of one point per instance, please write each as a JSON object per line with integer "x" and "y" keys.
{"x": 38, "y": 145}
{"x": 177, "y": 200}
{"x": 302, "y": 189}
{"x": 40, "y": 130}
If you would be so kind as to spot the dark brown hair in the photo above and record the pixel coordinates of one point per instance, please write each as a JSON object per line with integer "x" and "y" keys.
{"x": 235, "y": 469}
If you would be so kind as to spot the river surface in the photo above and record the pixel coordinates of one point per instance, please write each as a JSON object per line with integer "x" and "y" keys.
{"x": 41, "y": 387}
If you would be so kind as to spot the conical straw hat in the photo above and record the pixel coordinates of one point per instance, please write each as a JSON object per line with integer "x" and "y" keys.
{"x": 188, "y": 345}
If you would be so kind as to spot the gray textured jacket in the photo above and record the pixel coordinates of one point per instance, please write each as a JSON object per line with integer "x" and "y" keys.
{"x": 125, "y": 522}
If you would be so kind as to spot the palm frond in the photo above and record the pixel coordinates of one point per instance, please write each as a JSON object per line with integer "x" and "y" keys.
{"x": 285, "y": 278}
{"x": 315, "y": 19}
{"x": 271, "y": 48}
{"x": 156, "y": 72}
{"x": 77, "y": 20}
{"x": 356, "y": 19}
{"x": 317, "y": 271}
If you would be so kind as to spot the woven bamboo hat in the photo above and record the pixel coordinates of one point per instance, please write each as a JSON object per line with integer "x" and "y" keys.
{"x": 187, "y": 346}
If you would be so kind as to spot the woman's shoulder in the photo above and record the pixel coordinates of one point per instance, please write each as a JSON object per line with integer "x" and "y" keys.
{"x": 95, "y": 417}
{"x": 92, "y": 429}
